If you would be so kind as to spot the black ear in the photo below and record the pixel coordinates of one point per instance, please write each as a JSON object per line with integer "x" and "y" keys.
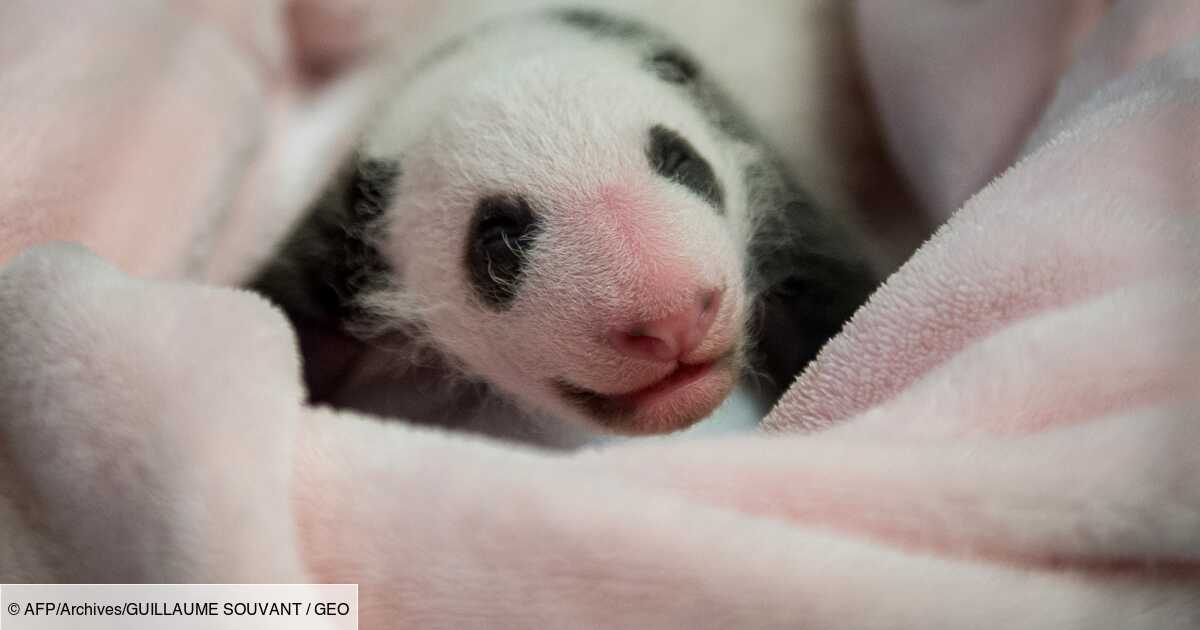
{"x": 673, "y": 66}
{"x": 599, "y": 23}
{"x": 811, "y": 279}
{"x": 331, "y": 256}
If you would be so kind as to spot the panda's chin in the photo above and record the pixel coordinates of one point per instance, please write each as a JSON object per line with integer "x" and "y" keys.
{"x": 685, "y": 396}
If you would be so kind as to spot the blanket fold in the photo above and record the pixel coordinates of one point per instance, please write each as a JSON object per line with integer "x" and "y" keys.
{"x": 447, "y": 531}
{"x": 1005, "y": 436}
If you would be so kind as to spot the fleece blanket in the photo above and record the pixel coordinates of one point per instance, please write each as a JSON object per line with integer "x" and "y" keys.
{"x": 1005, "y": 436}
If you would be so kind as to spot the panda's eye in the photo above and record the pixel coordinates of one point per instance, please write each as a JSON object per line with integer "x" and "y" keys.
{"x": 501, "y": 234}
{"x": 497, "y": 234}
{"x": 673, "y": 66}
{"x": 673, "y": 157}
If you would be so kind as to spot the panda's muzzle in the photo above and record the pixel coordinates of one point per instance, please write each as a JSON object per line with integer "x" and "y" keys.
{"x": 625, "y": 412}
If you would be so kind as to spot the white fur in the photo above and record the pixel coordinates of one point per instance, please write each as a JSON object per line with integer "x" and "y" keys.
{"x": 543, "y": 110}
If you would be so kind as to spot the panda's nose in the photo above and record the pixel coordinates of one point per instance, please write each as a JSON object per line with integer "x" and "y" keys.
{"x": 672, "y": 337}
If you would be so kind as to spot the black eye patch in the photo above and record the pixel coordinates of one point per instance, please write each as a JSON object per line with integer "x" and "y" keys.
{"x": 501, "y": 233}
{"x": 673, "y": 66}
{"x": 674, "y": 158}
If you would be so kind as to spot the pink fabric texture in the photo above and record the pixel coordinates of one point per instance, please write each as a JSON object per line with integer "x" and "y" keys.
{"x": 958, "y": 85}
{"x": 176, "y": 138}
{"x": 1006, "y": 436}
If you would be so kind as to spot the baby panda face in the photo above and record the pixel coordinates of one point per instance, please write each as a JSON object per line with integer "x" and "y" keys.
{"x": 571, "y": 229}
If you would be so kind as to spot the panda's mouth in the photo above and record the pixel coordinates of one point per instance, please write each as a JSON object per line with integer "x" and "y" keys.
{"x": 637, "y": 411}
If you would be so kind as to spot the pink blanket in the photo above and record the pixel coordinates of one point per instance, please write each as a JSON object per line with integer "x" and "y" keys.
{"x": 1006, "y": 436}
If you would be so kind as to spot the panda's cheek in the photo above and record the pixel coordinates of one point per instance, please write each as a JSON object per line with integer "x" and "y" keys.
{"x": 534, "y": 338}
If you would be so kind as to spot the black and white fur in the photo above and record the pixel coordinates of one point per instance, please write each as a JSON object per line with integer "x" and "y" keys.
{"x": 511, "y": 129}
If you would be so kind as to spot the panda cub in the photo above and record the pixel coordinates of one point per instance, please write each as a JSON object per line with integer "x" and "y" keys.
{"x": 562, "y": 212}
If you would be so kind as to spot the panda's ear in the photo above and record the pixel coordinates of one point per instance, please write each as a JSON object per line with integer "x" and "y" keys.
{"x": 330, "y": 258}
{"x": 673, "y": 66}
{"x": 811, "y": 277}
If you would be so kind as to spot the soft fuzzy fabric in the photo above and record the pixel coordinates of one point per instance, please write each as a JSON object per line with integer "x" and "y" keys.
{"x": 959, "y": 85}
{"x": 177, "y": 139}
{"x": 1010, "y": 429}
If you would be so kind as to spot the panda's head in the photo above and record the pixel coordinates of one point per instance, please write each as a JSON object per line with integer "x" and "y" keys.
{"x": 570, "y": 226}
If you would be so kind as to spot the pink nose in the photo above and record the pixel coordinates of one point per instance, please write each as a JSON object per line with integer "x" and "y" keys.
{"x": 671, "y": 337}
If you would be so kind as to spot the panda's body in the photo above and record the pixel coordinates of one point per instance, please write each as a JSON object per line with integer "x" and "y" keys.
{"x": 561, "y": 224}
